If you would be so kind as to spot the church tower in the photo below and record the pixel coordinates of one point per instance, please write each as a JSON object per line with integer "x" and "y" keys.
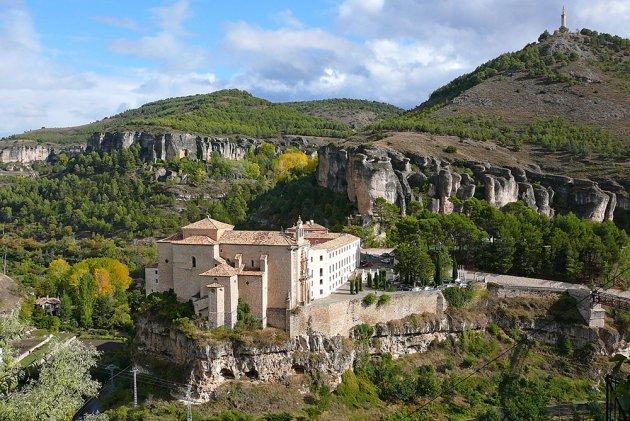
{"x": 563, "y": 20}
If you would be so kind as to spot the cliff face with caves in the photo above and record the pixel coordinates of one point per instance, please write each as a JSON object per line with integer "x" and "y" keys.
{"x": 367, "y": 172}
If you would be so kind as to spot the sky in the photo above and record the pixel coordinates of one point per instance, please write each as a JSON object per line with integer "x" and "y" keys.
{"x": 71, "y": 62}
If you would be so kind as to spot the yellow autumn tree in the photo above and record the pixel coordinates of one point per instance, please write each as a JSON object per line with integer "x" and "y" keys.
{"x": 113, "y": 274}
{"x": 102, "y": 281}
{"x": 58, "y": 270}
{"x": 294, "y": 161}
{"x": 119, "y": 275}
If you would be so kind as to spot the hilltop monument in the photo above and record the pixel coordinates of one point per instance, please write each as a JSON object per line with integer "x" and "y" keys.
{"x": 563, "y": 20}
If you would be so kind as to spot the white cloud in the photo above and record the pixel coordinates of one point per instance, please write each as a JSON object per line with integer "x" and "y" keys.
{"x": 286, "y": 17}
{"x": 168, "y": 45}
{"x": 36, "y": 91}
{"x": 125, "y": 23}
{"x": 349, "y": 8}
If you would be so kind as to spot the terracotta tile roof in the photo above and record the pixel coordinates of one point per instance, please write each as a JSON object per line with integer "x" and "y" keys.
{"x": 209, "y": 223}
{"x": 334, "y": 244}
{"x": 308, "y": 226}
{"x": 221, "y": 270}
{"x": 251, "y": 273}
{"x": 196, "y": 239}
{"x": 214, "y": 285}
{"x": 266, "y": 238}
{"x": 175, "y": 237}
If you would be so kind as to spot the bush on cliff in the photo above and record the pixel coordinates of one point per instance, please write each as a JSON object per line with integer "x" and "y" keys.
{"x": 384, "y": 299}
{"x": 369, "y": 299}
{"x": 164, "y": 307}
{"x": 458, "y": 297}
{"x": 356, "y": 390}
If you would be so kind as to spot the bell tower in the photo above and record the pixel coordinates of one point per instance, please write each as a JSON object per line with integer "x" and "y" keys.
{"x": 563, "y": 19}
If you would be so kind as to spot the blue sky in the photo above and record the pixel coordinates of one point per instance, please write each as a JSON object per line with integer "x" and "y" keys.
{"x": 69, "y": 62}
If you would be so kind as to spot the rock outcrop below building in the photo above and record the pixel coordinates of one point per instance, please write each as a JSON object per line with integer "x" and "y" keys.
{"x": 367, "y": 172}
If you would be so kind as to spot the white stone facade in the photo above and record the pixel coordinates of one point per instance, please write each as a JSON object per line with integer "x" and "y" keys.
{"x": 213, "y": 265}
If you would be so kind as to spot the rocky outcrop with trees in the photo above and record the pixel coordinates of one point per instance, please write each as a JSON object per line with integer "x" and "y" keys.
{"x": 366, "y": 173}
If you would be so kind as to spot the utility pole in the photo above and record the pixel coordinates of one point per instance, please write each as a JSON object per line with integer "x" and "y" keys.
{"x": 135, "y": 387}
{"x": 4, "y": 259}
{"x": 188, "y": 402}
{"x": 111, "y": 375}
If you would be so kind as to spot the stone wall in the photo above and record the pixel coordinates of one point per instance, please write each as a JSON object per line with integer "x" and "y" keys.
{"x": 338, "y": 318}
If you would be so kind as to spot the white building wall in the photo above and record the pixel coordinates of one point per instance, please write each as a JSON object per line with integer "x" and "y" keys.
{"x": 332, "y": 268}
{"x": 318, "y": 265}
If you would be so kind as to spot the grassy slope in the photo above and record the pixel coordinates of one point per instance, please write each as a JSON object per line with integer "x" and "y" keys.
{"x": 228, "y": 112}
{"x": 567, "y": 92}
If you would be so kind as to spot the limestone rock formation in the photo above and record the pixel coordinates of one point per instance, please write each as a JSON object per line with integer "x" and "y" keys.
{"x": 170, "y": 145}
{"x": 368, "y": 172}
{"x": 28, "y": 152}
{"x": 211, "y": 365}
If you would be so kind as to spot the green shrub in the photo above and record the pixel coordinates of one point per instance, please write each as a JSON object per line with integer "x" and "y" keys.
{"x": 356, "y": 390}
{"x": 450, "y": 149}
{"x": 186, "y": 326}
{"x": 494, "y": 329}
{"x": 458, "y": 297}
{"x": 282, "y": 416}
{"x": 384, "y": 299}
{"x": 565, "y": 346}
{"x": 428, "y": 382}
{"x": 369, "y": 299}
{"x": 474, "y": 343}
{"x": 363, "y": 331}
{"x": 489, "y": 416}
{"x": 622, "y": 321}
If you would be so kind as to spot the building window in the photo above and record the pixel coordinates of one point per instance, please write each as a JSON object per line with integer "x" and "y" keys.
{"x": 157, "y": 280}
{"x": 321, "y": 272}
{"x": 252, "y": 263}
{"x": 321, "y": 257}
{"x": 321, "y": 282}
{"x": 194, "y": 262}
{"x": 321, "y": 292}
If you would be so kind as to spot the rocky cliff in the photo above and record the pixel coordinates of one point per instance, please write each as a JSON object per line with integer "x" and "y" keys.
{"x": 212, "y": 364}
{"x": 367, "y": 172}
{"x": 168, "y": 146}
{"x": 28, "y": 152}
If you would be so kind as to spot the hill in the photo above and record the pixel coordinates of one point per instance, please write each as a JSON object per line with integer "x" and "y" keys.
{"x": 356, "y": 113}
{"x": 229, "y": 112}
{"x": 567, "y": 92}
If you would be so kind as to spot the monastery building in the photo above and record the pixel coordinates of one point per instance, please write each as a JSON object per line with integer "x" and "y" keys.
{"x": 273, "y": 272}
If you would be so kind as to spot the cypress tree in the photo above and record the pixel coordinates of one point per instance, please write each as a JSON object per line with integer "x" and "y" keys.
{"x": 360, "y": 281}
{"x": 454, "y": 269}
{"x": 437, "y": 277}
{"x": 351, "y": 281}
{"x": 369, "y": 279}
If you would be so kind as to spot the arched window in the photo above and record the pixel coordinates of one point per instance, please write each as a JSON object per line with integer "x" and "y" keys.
{"x": 194, "y": 262}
